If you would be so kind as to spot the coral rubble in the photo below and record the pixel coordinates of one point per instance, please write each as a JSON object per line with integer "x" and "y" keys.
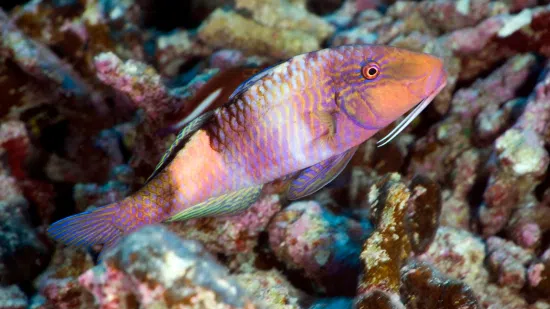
{"x": 453, "y": 213}
{"x": 154, "y": 267}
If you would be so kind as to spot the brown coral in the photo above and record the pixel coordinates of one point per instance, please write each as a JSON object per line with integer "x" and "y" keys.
{"x": 423, "y": 213}
{"x": 426, "y": 288}
{"x": 387, "y": 247}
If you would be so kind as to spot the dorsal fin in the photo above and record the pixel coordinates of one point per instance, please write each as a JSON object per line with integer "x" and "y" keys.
{"x": 253, "y": 79}
{"x": 180, "y": 141}
{"x": 214, "y": 93}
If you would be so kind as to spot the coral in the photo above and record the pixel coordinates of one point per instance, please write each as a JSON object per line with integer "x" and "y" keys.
{"x": 343, "y": 16}
{"x": 139, "y": 81}
{"x": 385, "y": 250}
{"x": 270, "y": 289}
{"x": 14, "y": 138}
{"x": 423, "y": 212}
{"x": 16, "y": 144}
{"x": 23, "y": 255}
{"x": 145, "y": 87}
{"x": 230, "y": 235}
{"x": 527, "y": 225}
{"x": 40, "y": 63}
{"x": 452, "y": 136}
{"x": 521, "y": 161}
{"x": 285, "y": 16}
{"x": 366, "y": 33}
{"x": 446, "y": 15}
{"x": 89, "y": 194}
{"x": 458, "y": 254}
{"x": 176, "y": 49}
{"x": 153, "y": 267}
{"x": 227, "y": 29}
{"x": 536, "y": 114}
{"x": 454, "y": 212}
{"x": 11, "y": 297}
{"x": 501, "y": 36}
{"x": 425, "y": 287}
{"x": 508, "y": 261}
{"x": 461, "y": 255}
{"x": 59, "y": 283}
{"x": 325, "y": 246}
{"x": 455, "y": 208}
{"x": 9, "y": 188}
{"x": 518, "y": 5}
{"x": 539, "y": 275}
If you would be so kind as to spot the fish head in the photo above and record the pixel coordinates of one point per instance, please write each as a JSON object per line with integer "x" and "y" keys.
{"x": 378, "y": 84}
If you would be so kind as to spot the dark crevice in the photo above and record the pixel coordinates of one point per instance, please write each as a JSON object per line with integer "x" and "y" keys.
{"x": 10, "y": 4}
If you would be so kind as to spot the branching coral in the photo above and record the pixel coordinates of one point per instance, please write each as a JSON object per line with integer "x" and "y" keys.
{"x": 521, "y": 161}
{"x": 94, "y": 91}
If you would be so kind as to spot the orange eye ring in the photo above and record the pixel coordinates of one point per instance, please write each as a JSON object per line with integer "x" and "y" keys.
{"x": 371, "y": 70}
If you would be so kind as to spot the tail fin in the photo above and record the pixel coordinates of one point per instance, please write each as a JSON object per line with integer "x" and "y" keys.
{"x": 87, "y": 228}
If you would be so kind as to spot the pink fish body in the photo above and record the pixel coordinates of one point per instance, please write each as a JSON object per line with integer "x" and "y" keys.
{"x": 302, "y": 119}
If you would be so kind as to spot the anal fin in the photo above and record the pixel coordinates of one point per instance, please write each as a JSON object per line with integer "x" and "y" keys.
{"x": 315, "y": 177}
{"x": 229, "y": 203}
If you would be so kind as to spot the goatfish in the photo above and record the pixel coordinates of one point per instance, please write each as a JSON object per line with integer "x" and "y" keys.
{"x": 214, "y": 93}
{"x": 300, "y": 120}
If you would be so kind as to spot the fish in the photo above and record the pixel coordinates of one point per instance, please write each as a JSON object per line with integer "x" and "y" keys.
{"x": 210, "y": 96}
{"x": 300, "y": 121}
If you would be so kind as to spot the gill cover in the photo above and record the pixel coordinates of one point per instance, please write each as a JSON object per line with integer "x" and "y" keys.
{"x": 357, "y": 108}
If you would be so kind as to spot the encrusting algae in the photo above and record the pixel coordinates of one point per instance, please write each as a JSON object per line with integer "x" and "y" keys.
{"x": 439, "y": 205}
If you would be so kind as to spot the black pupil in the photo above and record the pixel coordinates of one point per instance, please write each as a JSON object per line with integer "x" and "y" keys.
{"x": 372, "y": 71}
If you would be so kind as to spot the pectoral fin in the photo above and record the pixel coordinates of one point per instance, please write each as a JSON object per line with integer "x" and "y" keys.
{"x": 319, "y": 175}
{"x": 232, "y": 202}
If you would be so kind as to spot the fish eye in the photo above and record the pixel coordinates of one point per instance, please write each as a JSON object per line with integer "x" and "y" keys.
{"x": 371, "y": 70}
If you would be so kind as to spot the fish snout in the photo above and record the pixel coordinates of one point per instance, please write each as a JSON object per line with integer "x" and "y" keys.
{"x": 436, "y": 78}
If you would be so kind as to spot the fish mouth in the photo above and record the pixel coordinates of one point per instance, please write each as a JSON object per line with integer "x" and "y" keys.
{"x": 412, "y": 115}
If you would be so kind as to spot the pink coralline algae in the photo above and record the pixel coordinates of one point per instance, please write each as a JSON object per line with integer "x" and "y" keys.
{"x": 461, "y": 255}
{"x": 539, "y": 275}
{"x": 231, "y": 235}
{"x": 508, "y": 261}
{"x": 153, "y": 267}
{"x": 137, "y": 80}
{"x": 453, "y": 213}
{"x": 499, "y": 37}
{"x": 521, "y": 161}
{"x": 59, "y": 283}
{"x": 307, "y": 237}
{"x": 448, "y": 15}
{"x": 271, "y": 289}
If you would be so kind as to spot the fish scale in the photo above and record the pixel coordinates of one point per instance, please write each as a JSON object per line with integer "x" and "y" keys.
{"x": 300, "y": 121}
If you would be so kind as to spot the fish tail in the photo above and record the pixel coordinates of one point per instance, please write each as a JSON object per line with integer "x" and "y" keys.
{"x": 88, "y": 228}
